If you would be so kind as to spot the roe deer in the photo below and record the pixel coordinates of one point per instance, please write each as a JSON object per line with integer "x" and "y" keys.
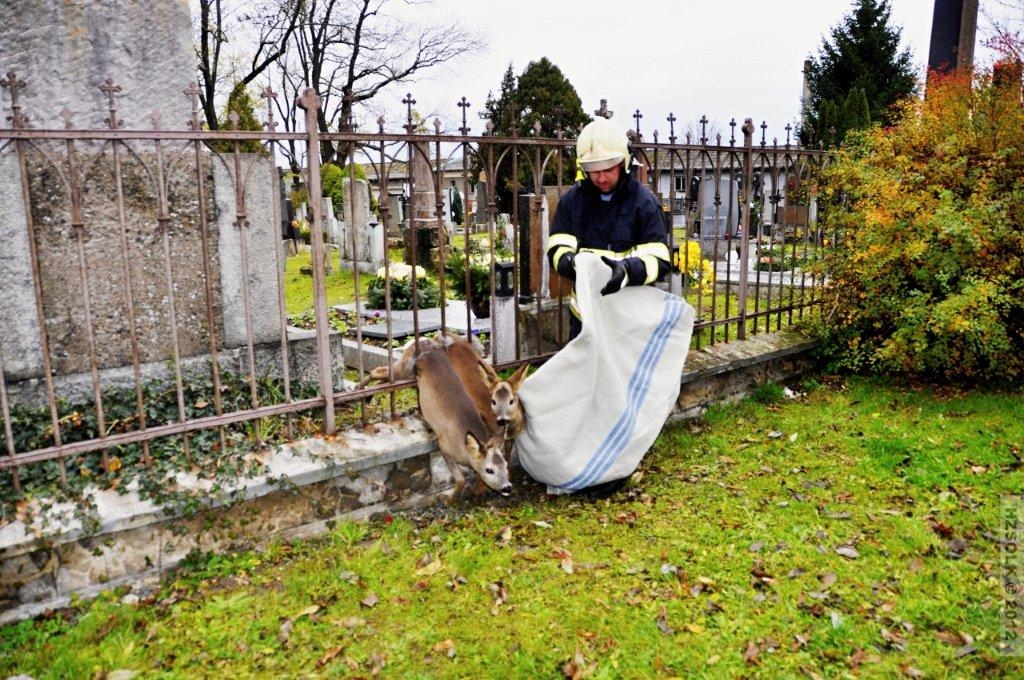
{"x": 472, "y": 369}
{"x": 505, "y": 405}
{"x": 461, "y": 434}
{"x": 401, "y": 368}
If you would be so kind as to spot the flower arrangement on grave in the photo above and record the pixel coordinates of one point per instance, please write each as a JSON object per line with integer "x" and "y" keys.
{"x": 478, "y": 262}
{"x": 698, "y": 273}
{"x": 401, "y": 277}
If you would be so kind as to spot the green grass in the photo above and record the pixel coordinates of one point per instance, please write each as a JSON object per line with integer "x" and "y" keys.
{"x": 298, "y": 287}
{"x": 720, "y": 562}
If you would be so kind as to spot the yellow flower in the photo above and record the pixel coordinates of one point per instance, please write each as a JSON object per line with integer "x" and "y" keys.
{"x": 401, "y": 272}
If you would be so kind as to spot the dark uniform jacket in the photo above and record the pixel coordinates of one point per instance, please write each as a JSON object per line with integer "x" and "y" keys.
{"x": 629, "y": 227}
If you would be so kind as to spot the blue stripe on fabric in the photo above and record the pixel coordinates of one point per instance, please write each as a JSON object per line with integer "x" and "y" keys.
{"x": 639, "y": 384}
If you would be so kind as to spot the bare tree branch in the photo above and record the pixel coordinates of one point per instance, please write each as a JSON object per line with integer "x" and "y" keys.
{"x": 350, "y": 50}
{"x": 263, "y": 32}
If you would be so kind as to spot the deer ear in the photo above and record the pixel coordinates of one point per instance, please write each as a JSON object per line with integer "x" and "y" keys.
{"x": 473, "y": 447}
{"x": 487, "y": 372}
{"x": 516, "y": 378}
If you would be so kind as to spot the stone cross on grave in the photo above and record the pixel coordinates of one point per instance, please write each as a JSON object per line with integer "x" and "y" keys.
{"x": 603, "y": 110}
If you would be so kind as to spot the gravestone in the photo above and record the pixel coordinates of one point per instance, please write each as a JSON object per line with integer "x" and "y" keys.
{"x": 533, "y": 228}
{"x": 422, "y": 221}
{"x": 127, "y": 64}
{"x": 360, "y": 222}
{"x": 480, "y": 204}
{"x": 66, "y": 50}
{"x": 331, "y": 225}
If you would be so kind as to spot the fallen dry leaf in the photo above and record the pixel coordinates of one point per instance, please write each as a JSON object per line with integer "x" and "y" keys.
{"x": 308, "y": 611}
{"x": 285, "y": 631}
{"x": 329, "y": 655}
{"x": 430, "y": 568}
{"x": 350, "y": 622}
{"x": 564, "y": 558}
{"x": 894, "y": 640}
{"x": 370, "y": 601}
{"x": 848, "y": 551}
{"x": 504, "y": 536}
{"x": 751, "y": 653}
{"x": 662, "y": 621}
{"x": 950, "y": 637}
{"x": 446, "y": 647}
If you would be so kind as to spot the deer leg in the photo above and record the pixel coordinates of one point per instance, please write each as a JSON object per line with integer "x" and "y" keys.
{"x": 460, "y": 480}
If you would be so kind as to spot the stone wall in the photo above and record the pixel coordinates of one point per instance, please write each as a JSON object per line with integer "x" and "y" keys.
{"x": 358, "y": 474}
{"x": 66, "y": 50}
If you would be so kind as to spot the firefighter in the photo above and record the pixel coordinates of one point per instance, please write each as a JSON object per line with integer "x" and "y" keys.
{"x": 609, "y": 213}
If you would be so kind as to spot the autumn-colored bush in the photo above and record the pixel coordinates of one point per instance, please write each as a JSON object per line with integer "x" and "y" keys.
{"x": 927, "y": 216}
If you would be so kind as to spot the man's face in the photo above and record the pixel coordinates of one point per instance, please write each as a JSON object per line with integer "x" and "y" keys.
{"x": 605, "y": 180}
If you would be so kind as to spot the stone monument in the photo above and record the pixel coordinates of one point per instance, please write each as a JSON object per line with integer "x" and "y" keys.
{"x": 122, "y": 251}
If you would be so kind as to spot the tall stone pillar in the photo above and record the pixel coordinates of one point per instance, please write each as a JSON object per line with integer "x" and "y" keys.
{"x": 423, "y": 222}
{"x": 66, "y": 50}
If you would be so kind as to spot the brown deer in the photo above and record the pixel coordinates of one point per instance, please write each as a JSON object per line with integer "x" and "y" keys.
{"x": 402, "y": 367}
{"x": 505, "y": 404}
{"x": 462, "y": 436}
{"x": 472, "y": 371}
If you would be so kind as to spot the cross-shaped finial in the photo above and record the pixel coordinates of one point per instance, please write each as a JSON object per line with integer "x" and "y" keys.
{"x": 764, "y": 127}
{"x": 309, "y": 100}
{"x": 233, "y": 119}
{"x": 17, "y": 118}
{"x": 671, "y": 128}
{"x": 732, "y": 132}
{"x": 637, "y": 116}
{"x": 788, "y": 129}
{"x": 157, "y": 119}
{"x": 703, "y": 129}
{"x": 68, "y": 117}
{"x": 110, "y": 89}
{"x": 380, "y": 124}
{"x": 270, "y": 96}
{"x": 512, "y": 109}
{"x": 603, "y": 110}
{"x": 193, "y": 94}
{"x": 463, "y": 104}
{"x": 409, "y": 101}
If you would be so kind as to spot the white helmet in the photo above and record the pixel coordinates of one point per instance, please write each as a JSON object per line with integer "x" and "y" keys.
{"x": 601, "y": 145}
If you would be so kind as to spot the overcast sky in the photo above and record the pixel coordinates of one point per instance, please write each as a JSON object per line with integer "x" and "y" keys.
{"x": 720, "y": 58}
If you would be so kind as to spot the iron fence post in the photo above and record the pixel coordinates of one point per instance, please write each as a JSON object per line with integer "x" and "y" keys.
{"x": 310, "y": 101}
{"x": 748, "y": 179}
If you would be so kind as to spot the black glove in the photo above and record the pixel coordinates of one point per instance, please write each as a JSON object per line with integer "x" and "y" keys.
{"x": 567, "y": 266}
{"x": 618, "y": 280}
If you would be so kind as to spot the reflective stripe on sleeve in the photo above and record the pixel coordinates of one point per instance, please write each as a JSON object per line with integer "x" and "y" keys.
{"x": 561, "y": 241}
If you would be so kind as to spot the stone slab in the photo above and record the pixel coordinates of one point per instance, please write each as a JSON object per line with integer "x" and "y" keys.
{"x": 404, "y": 321}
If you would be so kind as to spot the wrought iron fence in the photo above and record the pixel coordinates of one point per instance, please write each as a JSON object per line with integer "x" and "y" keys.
{"x": 145, "y": 284}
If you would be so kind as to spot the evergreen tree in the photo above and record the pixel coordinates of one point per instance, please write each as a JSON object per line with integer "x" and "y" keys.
{"x": 541, "y": 94}
{"x": 863, "y": 53}
{"x": 457, "y": 209}
{"x": 240, "y": 102}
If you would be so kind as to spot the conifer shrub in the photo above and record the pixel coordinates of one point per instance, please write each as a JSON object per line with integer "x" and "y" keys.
{"x": 927, "y": 217}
